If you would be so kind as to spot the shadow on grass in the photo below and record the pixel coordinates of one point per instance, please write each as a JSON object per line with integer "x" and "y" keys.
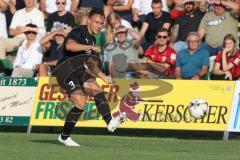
{"x": 46, "y": 141}
{"x": 177, "y": 134}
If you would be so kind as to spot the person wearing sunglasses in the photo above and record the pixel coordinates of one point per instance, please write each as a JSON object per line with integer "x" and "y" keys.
{"x": 61, "y": 18}
{"x": 29, "y": 54}
{"x": 50, "y": 6}
{"x": 152, "y": 21}
{"x": 159, "y": 60}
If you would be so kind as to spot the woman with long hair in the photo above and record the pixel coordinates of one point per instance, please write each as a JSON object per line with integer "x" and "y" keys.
{"x": 227, "y": 62}
{"x": 113, "y": 20}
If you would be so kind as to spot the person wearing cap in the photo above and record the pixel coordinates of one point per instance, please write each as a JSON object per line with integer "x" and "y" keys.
{"x": 188, "y": 22}
{"x": 121, "y": 54}
{"x": 29, "y": 54}
{"x": 215, "y": 25}
{"x": 52, "y": 48}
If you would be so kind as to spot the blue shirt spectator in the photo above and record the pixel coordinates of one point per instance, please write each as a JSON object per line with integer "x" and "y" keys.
{"x": 192, "y": 63}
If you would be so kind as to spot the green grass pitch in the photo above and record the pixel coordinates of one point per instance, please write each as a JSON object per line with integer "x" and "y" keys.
{"x": 22, "y": 146}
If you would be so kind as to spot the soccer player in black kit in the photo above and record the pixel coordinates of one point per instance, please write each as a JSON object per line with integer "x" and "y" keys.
{"x": 76, "y": 73}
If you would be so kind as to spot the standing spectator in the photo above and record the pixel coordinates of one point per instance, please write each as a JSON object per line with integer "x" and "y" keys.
{"x": 140, "y": 9}
{"x": 227, "y": 62}
{"x": 61, "y": 18}
{"x": 121, "y": 55}
{"x": 160, "y": 59}
{"x": 50, "y": 6}
{"x": 3, "y": 23}
{"x": 81, "y": 8}
{"x": 18, "y": 27}
{"x": 153, "y": 21}
{"x": 188, "y": 22}
{"x": 29, "y": 54}
{"x": 192, "y": 63}
{"x": 52, "y": 48}
{"x": 217, "y": 24}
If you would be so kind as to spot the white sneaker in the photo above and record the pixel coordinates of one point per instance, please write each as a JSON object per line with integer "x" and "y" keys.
{"x": 68, "y": 142}
{"x": 115, "y": 122}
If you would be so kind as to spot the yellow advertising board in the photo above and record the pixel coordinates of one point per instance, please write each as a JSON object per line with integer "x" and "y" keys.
{"x": 163, "y": 104}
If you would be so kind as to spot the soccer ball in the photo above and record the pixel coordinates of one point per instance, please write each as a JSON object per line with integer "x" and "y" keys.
{"x": 198, "y": 108}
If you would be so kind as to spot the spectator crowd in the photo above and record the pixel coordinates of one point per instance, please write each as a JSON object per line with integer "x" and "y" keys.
{"x": 171, "y": 39}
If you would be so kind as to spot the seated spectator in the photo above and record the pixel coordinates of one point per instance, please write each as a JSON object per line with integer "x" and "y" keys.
{"x": 81, "y": 8}
{"x": 52, "y": 48}
{"x": 3, "y": 22}
{"x": 216, "y": 25}
{"x": 49, "y": 6}
{"x": 61, "y": 18}
{"x": 153, "y": 21}
{"x": 192, "y": 63}
{"x": 123, "y": 8}
{"x": 29, "y": 14}
{"x": 160, "y": 59}
{"x": 29, "y": 54}
{"x": 140, "y": 9}
{"x": 113, "y": 21}
{"x": 227, "y": 62}
{"x": 121, "y": 55}
{"x": 188, "y": 22}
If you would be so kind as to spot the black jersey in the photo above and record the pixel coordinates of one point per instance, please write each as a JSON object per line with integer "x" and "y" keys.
{"x": 81, "y": 35}
{"x": 80, "y": 60}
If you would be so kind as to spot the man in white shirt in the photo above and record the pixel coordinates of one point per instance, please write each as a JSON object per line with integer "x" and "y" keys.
{"x": 27, "y": 15}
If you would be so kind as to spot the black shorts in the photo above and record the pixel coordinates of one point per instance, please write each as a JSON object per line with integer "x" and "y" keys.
{"x": 71, "y": 78}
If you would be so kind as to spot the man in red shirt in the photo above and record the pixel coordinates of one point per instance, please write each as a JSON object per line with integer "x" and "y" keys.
{"x": 160, "y": 59}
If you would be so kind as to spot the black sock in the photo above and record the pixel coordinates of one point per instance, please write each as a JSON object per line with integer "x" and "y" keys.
{"x": 71, "y": 120}
{"x": 103, "y": 107}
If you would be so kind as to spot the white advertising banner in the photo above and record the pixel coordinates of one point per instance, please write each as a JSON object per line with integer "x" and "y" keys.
{"x": 17, "y": 96}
